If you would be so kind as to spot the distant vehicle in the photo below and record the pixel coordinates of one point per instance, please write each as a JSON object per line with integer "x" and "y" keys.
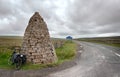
{"x": 69, "y": 38}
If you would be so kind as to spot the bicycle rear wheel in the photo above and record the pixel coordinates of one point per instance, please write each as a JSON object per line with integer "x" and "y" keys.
{"x": 18, "y": 63}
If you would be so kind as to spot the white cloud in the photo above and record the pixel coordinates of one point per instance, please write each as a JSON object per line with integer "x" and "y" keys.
{"x": 79, "y": 18}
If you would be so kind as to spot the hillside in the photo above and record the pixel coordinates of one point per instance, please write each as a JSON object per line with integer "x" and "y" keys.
{"x": 115, "y": 41}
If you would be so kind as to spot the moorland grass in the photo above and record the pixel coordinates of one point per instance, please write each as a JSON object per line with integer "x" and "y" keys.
{"x": 64, "y": 53}
{"x": 4, "y": 56}
{"x": 110, "y": 44}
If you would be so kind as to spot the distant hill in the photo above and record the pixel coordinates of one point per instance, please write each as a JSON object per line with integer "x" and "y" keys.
{"x": 11, "y": 37}
{"x": 112, "y": 37}
{"x": 109, "y": 40}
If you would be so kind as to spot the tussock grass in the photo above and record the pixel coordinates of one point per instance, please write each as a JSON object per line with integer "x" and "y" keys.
{"x": 4, "y": 56}
{"x": 67, "y": 52}
{"x": 64, "y": 53}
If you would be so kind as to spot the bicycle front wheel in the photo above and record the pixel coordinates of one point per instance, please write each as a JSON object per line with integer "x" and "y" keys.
{"x": 10, "y": 61}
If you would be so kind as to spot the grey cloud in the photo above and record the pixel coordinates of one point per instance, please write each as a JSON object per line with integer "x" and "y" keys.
{"x": 78, "y": 18}
{"x": 103, "y": 13}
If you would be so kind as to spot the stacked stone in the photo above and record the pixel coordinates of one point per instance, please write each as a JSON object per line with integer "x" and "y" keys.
{"x": 37, "y": 45}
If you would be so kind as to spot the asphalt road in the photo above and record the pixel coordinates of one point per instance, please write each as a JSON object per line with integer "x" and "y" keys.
{"x": 95, "y": 61}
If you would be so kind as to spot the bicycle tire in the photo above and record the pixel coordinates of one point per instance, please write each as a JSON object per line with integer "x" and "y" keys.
{"x": 18, "y": 63}
{"x": 10, "y": 61}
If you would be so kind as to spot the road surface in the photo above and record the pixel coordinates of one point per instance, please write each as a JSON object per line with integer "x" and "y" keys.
{"x": 95, "y": 61}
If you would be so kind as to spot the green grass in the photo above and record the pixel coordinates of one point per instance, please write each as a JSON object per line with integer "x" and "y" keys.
{"x": 67, "y": 52}
{"x": 64, "y": 53}
{"x": 4, "y": 56}
{"x": 116, "y": 45}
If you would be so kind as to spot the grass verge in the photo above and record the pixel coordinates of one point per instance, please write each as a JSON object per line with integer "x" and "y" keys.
{"x": 4, "y": 56}
{"x": 64, "y": 53}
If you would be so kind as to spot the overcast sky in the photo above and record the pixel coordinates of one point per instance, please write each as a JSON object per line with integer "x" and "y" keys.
{"x": 78, "y": 18}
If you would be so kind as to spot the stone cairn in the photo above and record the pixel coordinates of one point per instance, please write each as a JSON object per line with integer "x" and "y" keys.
{"x": 37, "y": 45}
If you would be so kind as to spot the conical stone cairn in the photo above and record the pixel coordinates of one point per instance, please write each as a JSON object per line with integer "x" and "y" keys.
{"x": 37, "y": 45}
